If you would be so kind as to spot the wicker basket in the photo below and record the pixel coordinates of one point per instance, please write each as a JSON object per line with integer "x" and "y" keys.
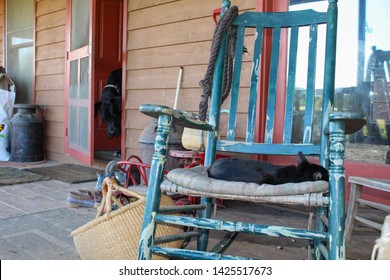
{"x": 194, "y": 139}
{"x": 115, "y": 235}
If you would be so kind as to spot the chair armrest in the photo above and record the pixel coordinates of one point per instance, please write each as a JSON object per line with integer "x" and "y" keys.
{"x": 181, "y": 118}
{"x": 353, "y": 121}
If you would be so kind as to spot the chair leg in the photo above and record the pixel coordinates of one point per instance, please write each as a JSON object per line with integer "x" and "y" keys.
{"x": 154, "y": 192}
{"x": 336, "y": 217}
{"x": 320, "y": 226}
{"x": 353, "y": 207}
{"x": 203, "y": 239}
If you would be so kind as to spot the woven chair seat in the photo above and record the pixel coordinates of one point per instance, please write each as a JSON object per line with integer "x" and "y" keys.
{"x": 195, "y": 182}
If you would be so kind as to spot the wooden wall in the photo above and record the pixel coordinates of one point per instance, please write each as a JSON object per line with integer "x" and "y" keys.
{"x": 50, "y": 72}
{"x": 163, "y": 35}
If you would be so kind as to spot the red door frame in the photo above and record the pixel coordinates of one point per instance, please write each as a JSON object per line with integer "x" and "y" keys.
{"x": 85, "y": 158}
{"x": 88, "y": 159}
{"x": 352, "y": 168}
{"x": 107, "y": 57}
{"x": 124, "y": 78}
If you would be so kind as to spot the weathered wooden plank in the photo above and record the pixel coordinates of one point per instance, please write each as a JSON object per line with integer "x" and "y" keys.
{"x": 55, "y": 145}
{"x": 54, "y": 129}
{"x": 55, "y": 50}
{"x": 243, "y": 227}
{"x": 164, "y": 78}
{"x": 167, "y": 77}
{"x": 173, "y": 55}
{"x": 292, "y": 65}
{"x": 255, "y": 77}
{"x": 177, "y": 12}
{"x": 50, "y": 66}
{"x": 136, "y": 120}
{"x": 310, "y": 87}
{"x": 189, "y": 98}
{"x": 272, "y": 85}
{"x": 169, "y": 34}
{"x": 52, "y": 35}
{"x": 132, "y": 136}
{"x": 305, "y": 17}
{"x": 55, "y": 113}
{"x": 267, "y": 149}
{"x": 49, "y": 6}
{"x": 135, "y": 5}
{"x": 236, "y": 83}
{"x": 51, "y": 20}
{"x": 50, "y": 82}
{"x": 51, "y": 97}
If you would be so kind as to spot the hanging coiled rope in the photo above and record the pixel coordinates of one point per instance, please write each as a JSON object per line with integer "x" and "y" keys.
{"x": 224, "y": 25}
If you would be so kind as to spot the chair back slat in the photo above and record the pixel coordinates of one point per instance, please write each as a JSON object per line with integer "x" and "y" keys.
{"x": 310, "y": 88}
{"x": 266, "y": 148}
{"x": 232, "y": 120}
{"x": 258, "y": 25}
{"x": 292, "y": 67}
{"x": 254, "y": 86}
{"x": 270, "y": 117}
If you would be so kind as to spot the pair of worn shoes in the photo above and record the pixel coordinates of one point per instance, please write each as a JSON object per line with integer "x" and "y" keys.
{"x": 85, "y": 198}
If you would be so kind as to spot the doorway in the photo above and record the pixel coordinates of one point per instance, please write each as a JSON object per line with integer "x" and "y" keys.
{"x": 94, "y": 49}
{"x": 107, "y": 57}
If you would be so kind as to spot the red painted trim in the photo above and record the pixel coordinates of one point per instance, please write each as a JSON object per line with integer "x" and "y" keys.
{"x": 124, "y": 78}
{"x": 34, "y": 92}
{"x": 4, "y": 32}
{"x": 92, "y": 42}
{"x": 67, "y": 77}
{"x": 84, "y": 157}
{"x": 269, "y": 6}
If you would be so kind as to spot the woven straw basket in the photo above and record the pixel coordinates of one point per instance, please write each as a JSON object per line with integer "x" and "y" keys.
{"x": 115, "y": 235}
{"x": 194, "y": 139}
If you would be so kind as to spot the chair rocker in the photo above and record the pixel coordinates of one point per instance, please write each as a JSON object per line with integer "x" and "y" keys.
{"x": 327, "y": 197}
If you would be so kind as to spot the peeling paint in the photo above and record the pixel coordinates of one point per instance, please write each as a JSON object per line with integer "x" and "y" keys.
{"x": 146, "y": 235}
{"x": 337, "y": 147}
{"x": 339, "y": 176}
{"x": 339, "y": 162}
{"x": 269, "y": 134}
{"x": 307, "y": 134}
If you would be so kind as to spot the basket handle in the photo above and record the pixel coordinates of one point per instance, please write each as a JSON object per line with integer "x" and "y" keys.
{"x": 110, "y": 185}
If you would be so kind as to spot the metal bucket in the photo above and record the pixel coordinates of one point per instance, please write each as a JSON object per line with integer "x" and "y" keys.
{"x": 147, "y": 140}
{"x": 27, "y": 134}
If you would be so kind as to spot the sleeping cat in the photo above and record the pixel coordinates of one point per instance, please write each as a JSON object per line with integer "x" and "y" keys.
{"x": 261, "y": 172}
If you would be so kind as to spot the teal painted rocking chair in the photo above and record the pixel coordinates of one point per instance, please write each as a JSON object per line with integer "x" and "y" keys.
{"x": 327, "y": 197}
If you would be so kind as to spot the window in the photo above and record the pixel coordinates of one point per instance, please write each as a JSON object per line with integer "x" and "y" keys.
{"x": 362, "y": 73}
{"x": 19, "y": 47}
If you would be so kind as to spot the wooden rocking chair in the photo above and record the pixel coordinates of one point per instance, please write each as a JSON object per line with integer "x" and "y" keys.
{"x": 327, "y": 197}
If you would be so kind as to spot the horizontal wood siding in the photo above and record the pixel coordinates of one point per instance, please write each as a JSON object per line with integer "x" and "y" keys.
{"x": 50, "y": 72}
{"x": 161, "y": 37}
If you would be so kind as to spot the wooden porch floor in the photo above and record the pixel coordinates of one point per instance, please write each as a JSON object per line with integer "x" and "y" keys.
{"x": 35, "y": 223}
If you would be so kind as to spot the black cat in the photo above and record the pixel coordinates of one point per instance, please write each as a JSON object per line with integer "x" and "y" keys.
{"x": 261, "y": 172}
